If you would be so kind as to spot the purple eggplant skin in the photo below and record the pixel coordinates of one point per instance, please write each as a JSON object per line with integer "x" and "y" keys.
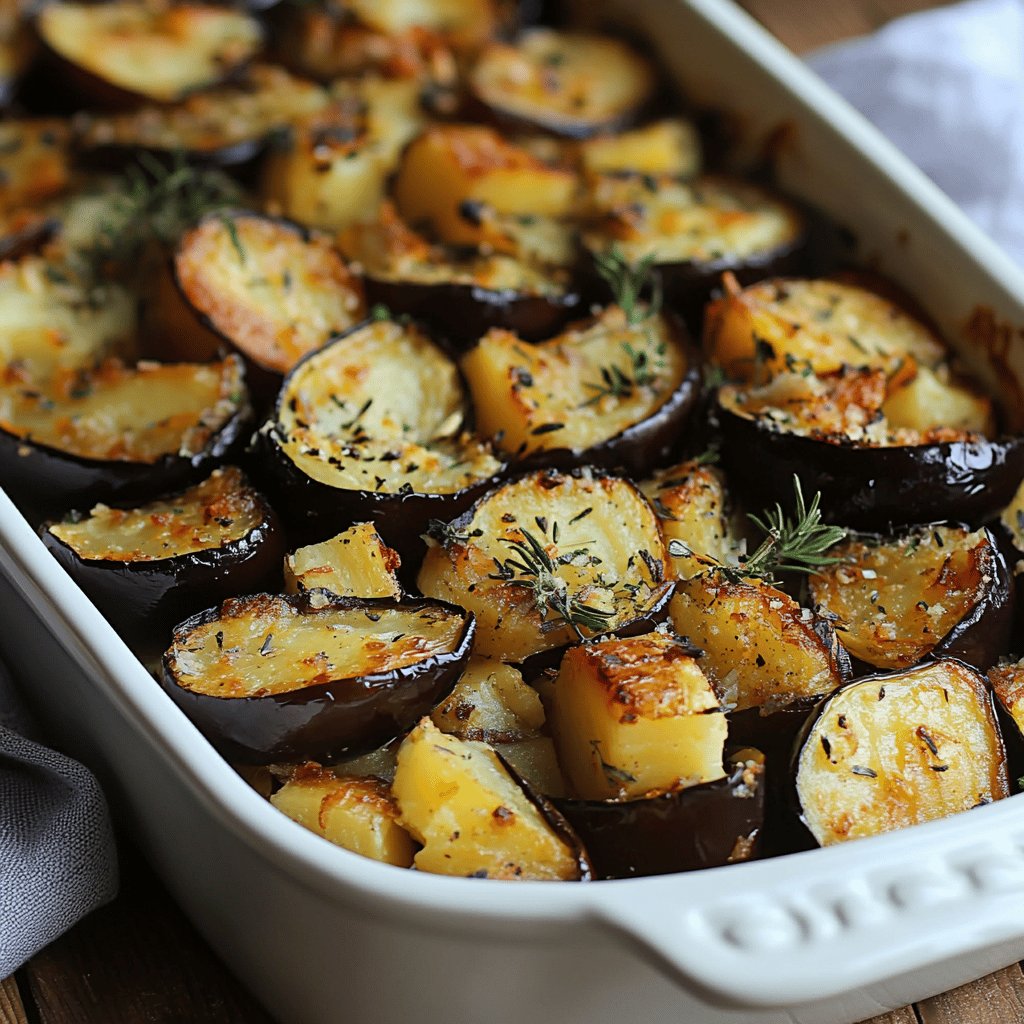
{"x": 464, "y": 313}
{"x": 657, "y": 614}
{"x": 324, "y": 722}
{"x": 982, "y": 636}
{"x": 703, "y": 826}
{"x": 872, "y": 489}
{"x": 45, "y": 482}
{"x": 1013, "y": 557}
{"x": 642, "y": 447}
{"x": 113, "y": 157}
{"x": 775, "y": 734}
{"x": 315, "y": 511}
{"x": 556, "y": 820}
{"x": 144, "y": 600}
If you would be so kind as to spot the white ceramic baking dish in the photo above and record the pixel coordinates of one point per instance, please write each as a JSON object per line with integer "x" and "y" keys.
{"x": 323, "y": 936}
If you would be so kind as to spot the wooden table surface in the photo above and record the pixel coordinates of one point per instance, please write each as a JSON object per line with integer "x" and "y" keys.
{"x": 138, "y": 961}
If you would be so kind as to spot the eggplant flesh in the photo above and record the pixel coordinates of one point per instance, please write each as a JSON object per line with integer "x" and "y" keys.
{"x": 149, "y": 568}
{"x": 898, "y": 749}
{"x": 275, "y": 679}
{"x": 173, "y": 423}
{"x": 942, "y": 590}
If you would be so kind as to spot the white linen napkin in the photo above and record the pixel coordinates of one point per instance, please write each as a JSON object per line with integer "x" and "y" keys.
{"x": 947, "y": 87}
{"x": 57, "y": 855}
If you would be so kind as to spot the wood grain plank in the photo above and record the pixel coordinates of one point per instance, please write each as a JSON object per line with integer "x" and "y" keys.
{"x": 137, "y": 960}
{"x": 805, "y": 24}
{"x": 996, "y": 999}
{"x": 12, "y": 1011}
{"x": 904, "y": 1015}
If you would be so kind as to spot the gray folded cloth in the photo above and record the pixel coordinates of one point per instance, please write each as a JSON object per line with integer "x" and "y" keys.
{"x": 947, "y": 87}
{"x": 57, "y": 855}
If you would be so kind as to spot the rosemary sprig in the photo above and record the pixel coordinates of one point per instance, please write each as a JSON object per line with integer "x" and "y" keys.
{"x": 628, "y": 283}
{"x": 530, "y": 566}
{"x": 157, "y": 203}
{"x": 791, "y": 545}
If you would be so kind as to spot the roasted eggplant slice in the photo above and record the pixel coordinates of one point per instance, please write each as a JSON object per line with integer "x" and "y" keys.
{"x": 268, "y": 287}
{"x": 454, "y": 174}
{"x": 693, "y": 506}
{"x": 684, "y": 829}
{"x": 937, "y": 590}
{"x": 313, "y": 677}
{"x": 119, "y": 53}
{"x": 1007, "y": 682}
{"x": 873, "y": 473}
{"x": 1011, "y": 531}
{"x": 636, "y": 715}
{"x": 148, "y": 568}
{"x": 896, "y": 750}
{"x": 761, "y": 649}
{"x": 474, "y": 818}
{"x": 326, "y": 43}
{"x": 818, "y": 325}
{"x": 369, "y": 428}
{"x": 358, "y": 814}
{"x": 547, "y": 559}
{"x": 356, "y": 563}
{"x": 54, "y": 321}
{"x": 333, "y": 170}
{"x": 118, "y": 435}
{"x": 695, "y": 231}
{"x": 463, "y": 296}
{"x": 614, "y": 391}
{"x": 567, "y": 83}
{"x": 226, "y": 126}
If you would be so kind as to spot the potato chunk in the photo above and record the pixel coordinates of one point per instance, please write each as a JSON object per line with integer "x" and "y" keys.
{"x": 472, "y": 817}
{"x": 355, "y": 563}
{"x": 821, "y": 325}
{"x": 692, "y": 505}
{"x": 760, "y": 646}
{"x": 632, "y": 716}
{"x": 358, "y": 814}
{"x": 452, "y": 172}
{"x": 491, "y": 703}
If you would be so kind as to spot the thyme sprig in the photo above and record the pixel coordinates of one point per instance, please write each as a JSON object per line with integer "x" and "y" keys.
{"x": 155, "y": 202}
{"x": 628, "y": 283}
{"x": 795, "y": 544}
{"x": 529, "y": 565}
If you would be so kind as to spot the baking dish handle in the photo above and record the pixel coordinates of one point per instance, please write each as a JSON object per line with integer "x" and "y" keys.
{"x": 810, "y": 927}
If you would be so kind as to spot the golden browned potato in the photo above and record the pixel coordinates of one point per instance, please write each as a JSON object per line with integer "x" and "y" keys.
{"x": 358, "y": 814}
{"x": 471, "y": 816}
{"x": 355, "y": 563}
{"x": 637, "y": 715}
